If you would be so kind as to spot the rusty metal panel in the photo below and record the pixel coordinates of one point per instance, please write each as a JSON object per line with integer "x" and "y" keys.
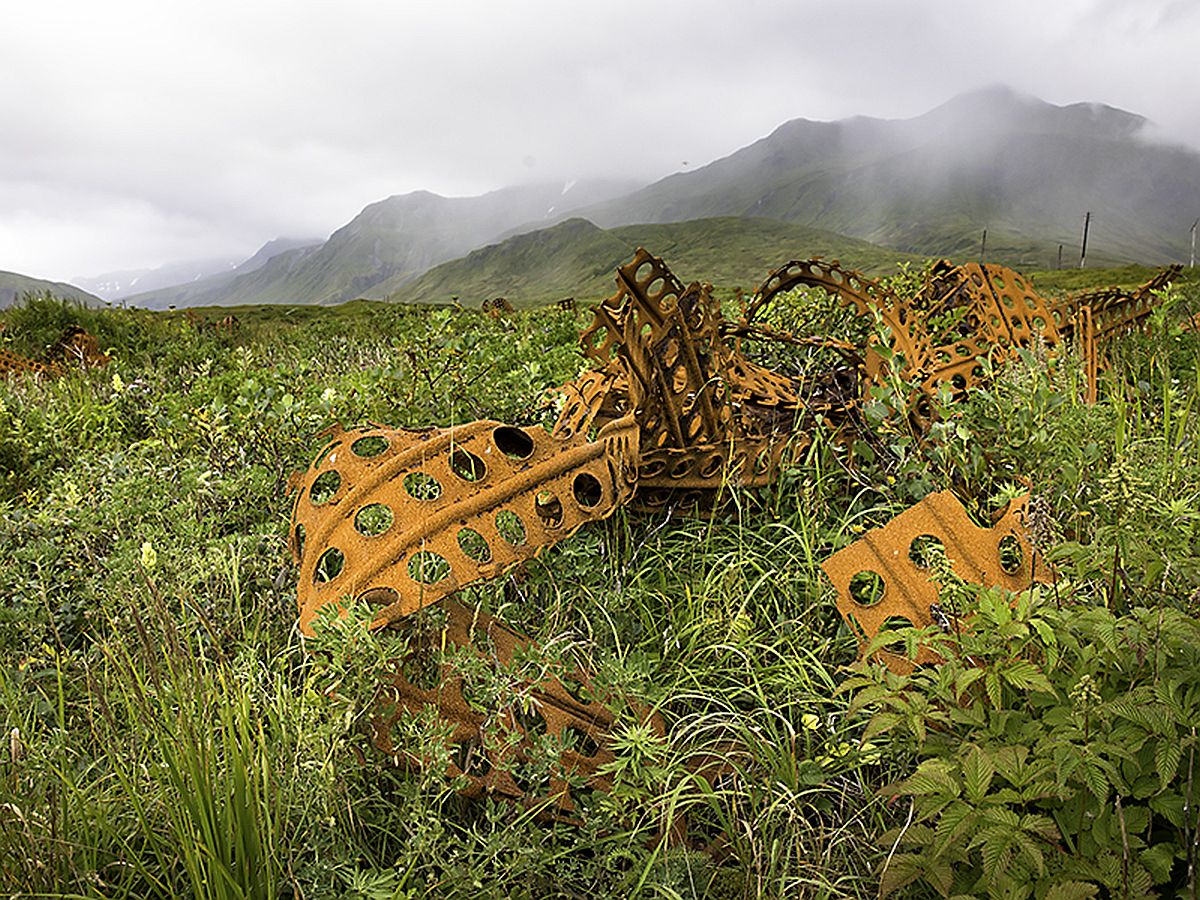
{"x": 17, "y": 364}
{"x": 1115, "y": 311}
{"x": 403, "y": 518}
{"x": 885, "y": 576}
{"x": 548, "y": 707}
{"x": 76, "y": 347}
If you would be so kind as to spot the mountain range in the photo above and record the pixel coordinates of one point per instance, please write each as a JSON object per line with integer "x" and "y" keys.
{"x": 1025, "y": 170}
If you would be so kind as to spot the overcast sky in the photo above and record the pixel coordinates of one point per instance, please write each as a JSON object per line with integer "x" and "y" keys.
{"x": 139, "y": 132}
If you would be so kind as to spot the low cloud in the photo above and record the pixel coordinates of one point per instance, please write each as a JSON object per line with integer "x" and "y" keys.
{"x": 141, "y": 132}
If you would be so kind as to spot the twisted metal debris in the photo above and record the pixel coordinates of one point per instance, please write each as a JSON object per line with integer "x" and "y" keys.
{"x": 672, "y": 412}
{"x": 76, "y": 348}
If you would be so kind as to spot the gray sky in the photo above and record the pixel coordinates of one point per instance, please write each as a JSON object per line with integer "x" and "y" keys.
{"x": 139, "y": 132}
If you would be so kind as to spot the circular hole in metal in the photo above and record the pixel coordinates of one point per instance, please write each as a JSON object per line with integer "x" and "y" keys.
{"x": 466, "y": 465}
{"x": 510, "y": 526}
{"x": 373, "y": 519}
{"x": 475, "y": 691}
{"x": 959, "y": 382}
{"x": 420, "y": 486}
{"x": 1011, "y": 555}
{"x": 681, "y": 469}
{"x": 679, "y": 379}
{"x": 712, "y": 466}
{"x": 898, "y": 625}
{"x": 515, "y": 443}
{"x": 588, "y": 490}
{"x": 380, "y": 596}
{"x": 300, "y": 535}
{"x": 531, "y": 720}
{"x": 474, "y": 545}
{"x": 652, "y": 469}
{"x": 324, "y": 452}
{"x": 549, "y": 509}
{"x": 422, "y": 669}
{"x": 329, "y": 566}
{"x": 324, "y": 487}
{"x": 471, "y": 759}
{"x": 925, "y": 550}
{"x": 866, "y": 588}
{"x": 369, "y": 446}
{"x": 580, "y": 741}
{"x": 428, "y": 567}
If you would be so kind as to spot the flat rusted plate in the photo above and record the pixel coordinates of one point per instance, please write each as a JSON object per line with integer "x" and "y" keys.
{"x": 491, "y": 738}
{"x": 17, "y": 364}
{"x": 402, "y": 518}
{"x": 884, "y": 578}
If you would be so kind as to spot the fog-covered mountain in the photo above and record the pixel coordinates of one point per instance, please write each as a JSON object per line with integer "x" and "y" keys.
{"x": 214, "y": 289}
{"x": 390, "y": 243}
{"x": 1025, "y": 170}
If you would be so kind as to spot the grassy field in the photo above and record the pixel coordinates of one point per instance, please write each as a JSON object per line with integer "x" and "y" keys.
{"x": 166, "y": 732}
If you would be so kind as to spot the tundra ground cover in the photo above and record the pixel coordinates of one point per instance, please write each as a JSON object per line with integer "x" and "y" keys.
{"x": 167, "y": 734}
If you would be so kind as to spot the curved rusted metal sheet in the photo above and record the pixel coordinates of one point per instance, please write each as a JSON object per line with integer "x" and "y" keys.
{"x": 402, "y": 518}
{"x": 885, "y": 578}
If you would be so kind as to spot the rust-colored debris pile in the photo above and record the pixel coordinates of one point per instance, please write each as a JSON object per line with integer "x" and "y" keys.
{"x": 672, "y": 412}
{"x": 75, "y": 349}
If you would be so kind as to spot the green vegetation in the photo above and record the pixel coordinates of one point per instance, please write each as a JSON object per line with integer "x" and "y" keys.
{"x": 166, "y": 733}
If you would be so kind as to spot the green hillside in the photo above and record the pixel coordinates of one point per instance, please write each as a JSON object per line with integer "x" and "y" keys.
{"x": 577, "y": 259}
{"x": 14, "y": 286}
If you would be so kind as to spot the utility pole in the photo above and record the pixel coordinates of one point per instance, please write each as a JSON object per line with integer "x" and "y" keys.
{"x": 1192, "y": 264}
{"x": 1059, "y": 266}
{"x": 1087, "y": 220}
{"x": 983, "y": 243}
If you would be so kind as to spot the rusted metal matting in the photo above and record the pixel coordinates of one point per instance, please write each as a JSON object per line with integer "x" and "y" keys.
{"x": 672, "y": 411}
{"x": 886, "y": 578}
{"x": 76, "y": 348}
{"x": 491, "y": 737}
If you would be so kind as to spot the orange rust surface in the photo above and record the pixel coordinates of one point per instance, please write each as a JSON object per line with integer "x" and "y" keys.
{"x": 403, "y": 518}
{"x": 17, "y": 364}
{"x": 893, "y": 553}
{"x": 989, "y": 311}
{"x": 670, "y": 413}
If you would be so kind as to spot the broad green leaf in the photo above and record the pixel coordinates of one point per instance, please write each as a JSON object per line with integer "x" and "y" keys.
{"x": 1072, "y": 890}
{"x": 1093, "y": 775}
{"x": 1159, "y": 860}
{"x": 992, "y": 682}
{"x": 898, "y": 871}
{"x": 1025, "y": 676}
{"x": 1166, "y": 760}
{"x": 977, "y": 771}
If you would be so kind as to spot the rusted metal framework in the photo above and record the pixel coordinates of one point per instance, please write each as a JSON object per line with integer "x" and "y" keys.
{"x": 75, "y": 349}
{"x": 672, "y": 411}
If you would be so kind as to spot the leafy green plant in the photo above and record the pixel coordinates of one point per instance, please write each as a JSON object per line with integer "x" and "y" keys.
{"x": 1055, "y": 748}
